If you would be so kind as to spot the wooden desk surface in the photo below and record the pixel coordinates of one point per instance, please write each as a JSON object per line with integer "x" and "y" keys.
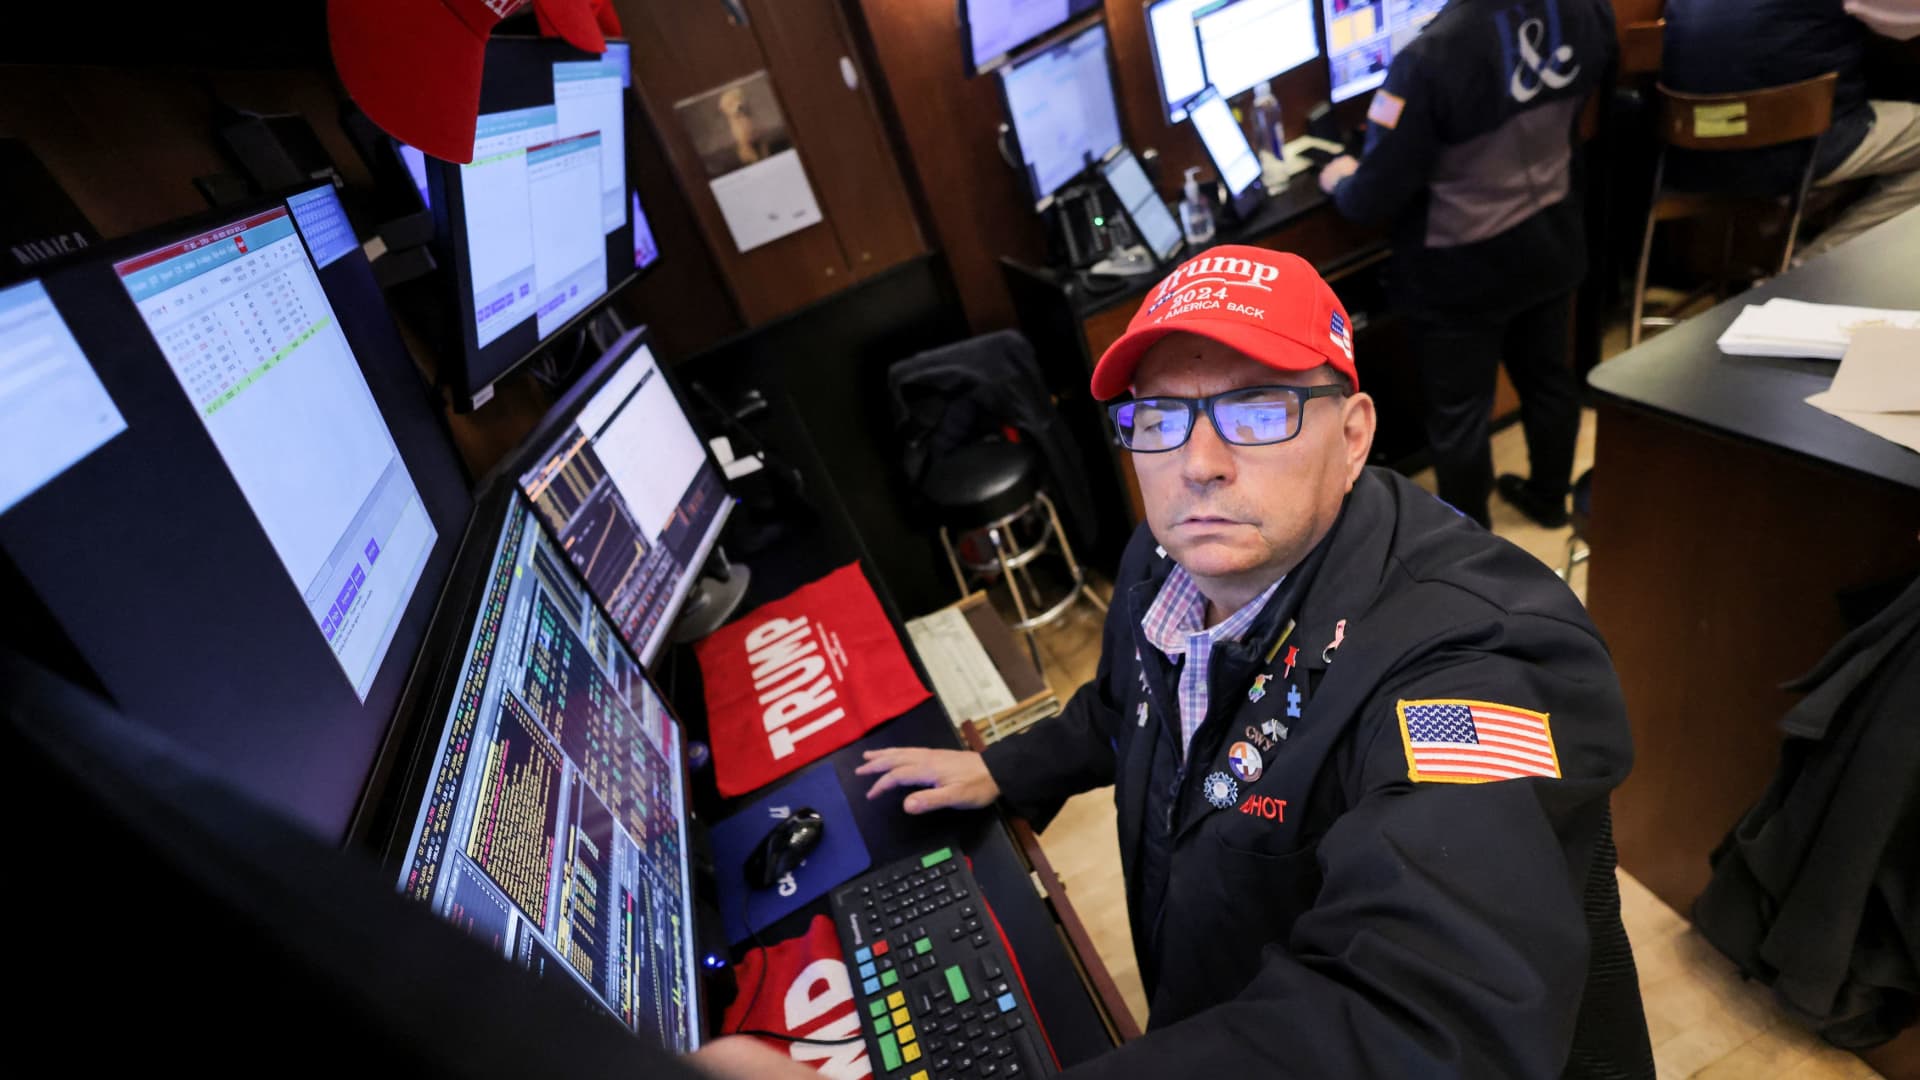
{"x": 1683, "y": 375}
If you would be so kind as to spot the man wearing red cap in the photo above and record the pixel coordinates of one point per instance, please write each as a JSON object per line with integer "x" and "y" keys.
{"x": 1361, "y": 748}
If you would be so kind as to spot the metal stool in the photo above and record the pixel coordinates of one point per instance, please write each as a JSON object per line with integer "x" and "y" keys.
{"x": 1578, "y": 549}
{"x": 991, "y": 492}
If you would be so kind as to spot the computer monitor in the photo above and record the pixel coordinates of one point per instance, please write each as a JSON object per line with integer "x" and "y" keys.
{"x": 992, "y": 30}
{"x": 244, "y": 500}
{"x": 646, "y": 250}
{"x": 1150, "y": 219}
{"x": 1364, "y": 35}
{"x": 546, "y": 813}
{"x": 630, "y": 491}
{"x": 537, "y": 227}
{"x": 1177, "y": 67}
{"x": 1233, "y": 158}
{"x": 415, "y": 160}
{"x": 1061, "y": 105}
{"x": 1246, "y": 42}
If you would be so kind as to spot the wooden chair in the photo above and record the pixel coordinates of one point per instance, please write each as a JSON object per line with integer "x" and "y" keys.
{"x": 1754, "y": 119}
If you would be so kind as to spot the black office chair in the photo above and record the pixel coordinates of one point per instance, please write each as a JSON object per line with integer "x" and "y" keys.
{"x": 983, "y": 442}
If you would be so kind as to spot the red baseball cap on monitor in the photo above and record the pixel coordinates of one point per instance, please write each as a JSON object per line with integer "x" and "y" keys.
{"x": 573, "y": 20}
{"x": 414, "y": 65}
{"x": 1271, "y": 305}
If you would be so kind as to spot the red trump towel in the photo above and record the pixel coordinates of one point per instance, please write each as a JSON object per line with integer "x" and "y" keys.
{"x": 801, "y": 677}
{"x": 805, "y": 993}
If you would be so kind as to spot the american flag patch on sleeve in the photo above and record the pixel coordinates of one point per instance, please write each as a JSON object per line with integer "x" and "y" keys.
{"x": 1450, "y": 741}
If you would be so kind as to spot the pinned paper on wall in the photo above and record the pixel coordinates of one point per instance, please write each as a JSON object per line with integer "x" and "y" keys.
{"x": 752, "y": 168}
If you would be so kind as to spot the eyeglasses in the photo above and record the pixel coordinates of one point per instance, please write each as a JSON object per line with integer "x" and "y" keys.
{"x": 1252, "y": 416}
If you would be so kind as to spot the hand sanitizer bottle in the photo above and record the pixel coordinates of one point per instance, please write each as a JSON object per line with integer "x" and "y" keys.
{"x": 1196, "y": 217}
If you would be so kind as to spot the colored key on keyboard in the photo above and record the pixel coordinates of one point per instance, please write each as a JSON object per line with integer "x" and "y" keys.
{"x": 932, "y": 970}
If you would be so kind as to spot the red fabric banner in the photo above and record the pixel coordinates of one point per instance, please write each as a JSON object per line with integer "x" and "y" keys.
{"x": 806, "y": 993}
{"x": 801, "y": 677}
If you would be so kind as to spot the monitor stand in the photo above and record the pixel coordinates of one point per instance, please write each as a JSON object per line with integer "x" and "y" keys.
{"x": 713, "y": 599}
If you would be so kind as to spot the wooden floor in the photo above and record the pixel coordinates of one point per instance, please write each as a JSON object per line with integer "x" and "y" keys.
{"x": 1703, "y": 1019}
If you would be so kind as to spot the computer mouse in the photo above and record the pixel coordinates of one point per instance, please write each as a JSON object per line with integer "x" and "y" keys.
{"x": 785, "y": 847}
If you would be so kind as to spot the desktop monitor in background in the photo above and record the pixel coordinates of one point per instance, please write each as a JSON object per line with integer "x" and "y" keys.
{"x": 990, "y": 30}
{"x": 1150, "y": 219}
{"x": 246, "y": 522}
{"x": 1246, "y": 42}
{"x": 53, "y": 410}
{"x": 1364, "y": 35}
{"x": 1061, "y": 105}
{"x": 1233, "y": 158}
{"x": 630, "y": 491}
{"x": 1177, "y": 66}
{"x": 646, "y": 250}
{"x": 415, "y": 160}
{"x": 537, "y": 227}
{"x": 545, "y": 812}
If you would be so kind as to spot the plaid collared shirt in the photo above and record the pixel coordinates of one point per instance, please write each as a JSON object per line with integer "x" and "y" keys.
{"x": 1176, "y": 624}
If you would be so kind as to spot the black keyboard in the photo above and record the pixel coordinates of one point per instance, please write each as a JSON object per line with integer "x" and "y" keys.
{"x": 1316, "y": 155}
{"x": 936, "y": 993}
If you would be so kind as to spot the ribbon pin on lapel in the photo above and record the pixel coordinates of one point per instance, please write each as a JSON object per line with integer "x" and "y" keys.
{"x": 1339, "y": 635}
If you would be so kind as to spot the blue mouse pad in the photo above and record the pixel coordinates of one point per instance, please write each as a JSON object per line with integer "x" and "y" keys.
{"x": 842, "y": 852}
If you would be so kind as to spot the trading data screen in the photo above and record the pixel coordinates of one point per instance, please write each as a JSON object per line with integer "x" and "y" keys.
{"x": 1364, "y": 35}
{"x": 633, "y": 498}
{"x": 1144, "y": 208}
{"x": 588, "y": 98}
{"x": 552, "y": 825}
{"x": 997, "y": 27}
{"x": 1246, "y": 42}
{"x": 1226, "y": 144}
{"x": 240, "y": 315}
{"x": 569, "y": 256}
{"x": 1061, "y": 104}
{"x": 533, "y": 214}
{"x": 1176, "y": 53}
{"x": 53, "y": 410}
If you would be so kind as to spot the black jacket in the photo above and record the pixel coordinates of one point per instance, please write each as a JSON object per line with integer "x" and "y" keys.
{"x": 1473, "y": 167}
{"x": 1330, "y": 917}
{"x": 1817, "y": 890}
{"x": 1723, "y": 46}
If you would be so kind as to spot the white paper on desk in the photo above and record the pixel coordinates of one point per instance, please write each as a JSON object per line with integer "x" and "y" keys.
{"x": 766, "y": 200}
{"x": 963, "y": 674}
{"x": 1900, "y": 427}
{"x": 1880, "y": 373}
{"x": 1783, "y": 327}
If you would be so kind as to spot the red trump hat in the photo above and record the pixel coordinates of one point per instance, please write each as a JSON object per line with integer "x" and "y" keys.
{"x": 1271, "y": 305}
{"x": 413, "y": 66}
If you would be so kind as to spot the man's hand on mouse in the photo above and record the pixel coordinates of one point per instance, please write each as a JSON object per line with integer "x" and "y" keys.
{"x": 956, "y": 779}
{"x": 1337, "y": 170}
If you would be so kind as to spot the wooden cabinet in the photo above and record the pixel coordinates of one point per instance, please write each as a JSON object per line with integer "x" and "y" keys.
{"x": 683, "y": 48}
